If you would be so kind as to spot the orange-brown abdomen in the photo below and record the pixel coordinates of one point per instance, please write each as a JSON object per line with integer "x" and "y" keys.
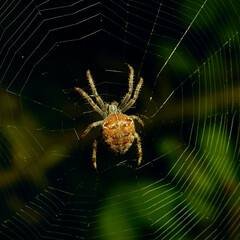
{"x": 118, "y": 132}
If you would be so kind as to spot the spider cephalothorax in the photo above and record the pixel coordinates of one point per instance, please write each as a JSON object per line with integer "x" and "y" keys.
{"x": 118, "y": 129}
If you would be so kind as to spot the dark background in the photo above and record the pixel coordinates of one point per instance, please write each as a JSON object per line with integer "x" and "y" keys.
{"x": 187, "y": 186}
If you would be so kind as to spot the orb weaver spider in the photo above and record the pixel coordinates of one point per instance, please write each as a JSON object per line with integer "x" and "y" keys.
{"x": 118, "y": 129}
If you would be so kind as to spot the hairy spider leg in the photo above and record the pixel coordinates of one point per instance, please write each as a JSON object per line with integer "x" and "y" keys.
{"x": 95, "y": 93}
{"x": 94, "y": 154}
{"x": 90, "y": 126}
{"x": 130, "y": 88}
{"x": 134, "y": 117}
{"x": 139, "y": 146}
{"x": 135, "y": 96}
{"x": 90, "y": 101}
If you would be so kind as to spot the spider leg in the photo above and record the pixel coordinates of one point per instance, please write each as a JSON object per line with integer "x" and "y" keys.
{"x": 86, "y": 131}
{"x": 139, "y": 149}
{"x": 90, "y": 101}
{"x": 130, "y": 87}
{"x": 94, "y": 154}
{"x": 95, "y": 93}
{"x": 134, "y": 117}
{"x": 135, "y": 96}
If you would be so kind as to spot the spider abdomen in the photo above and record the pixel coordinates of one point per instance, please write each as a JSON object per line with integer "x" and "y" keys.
{"x": 118, "y": 132}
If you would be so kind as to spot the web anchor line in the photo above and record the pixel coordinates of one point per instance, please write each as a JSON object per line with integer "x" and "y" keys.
{"x": 177, "y": 45}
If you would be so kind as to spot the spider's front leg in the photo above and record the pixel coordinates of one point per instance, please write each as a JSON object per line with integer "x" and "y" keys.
{"x": 95, "y": 93}
{"x": 134, "y": 98}
{"x": 90, "y": 101}
{"x": 130, "y": 88}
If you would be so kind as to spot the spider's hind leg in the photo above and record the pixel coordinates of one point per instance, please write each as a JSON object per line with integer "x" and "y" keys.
{"x": 134, "y": 117}
{"x": 87, "y": 130}
{"x": 94, "y": 154}
{"x": 139, "y": 146}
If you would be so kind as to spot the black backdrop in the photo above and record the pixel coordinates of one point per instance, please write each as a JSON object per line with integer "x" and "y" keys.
{"x": 187, "y": 186}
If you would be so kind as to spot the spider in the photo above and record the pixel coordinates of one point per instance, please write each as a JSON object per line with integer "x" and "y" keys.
{"x": 118, "y": 129}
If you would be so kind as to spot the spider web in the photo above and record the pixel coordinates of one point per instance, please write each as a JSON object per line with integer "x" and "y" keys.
{"x": 187, "y": 186}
